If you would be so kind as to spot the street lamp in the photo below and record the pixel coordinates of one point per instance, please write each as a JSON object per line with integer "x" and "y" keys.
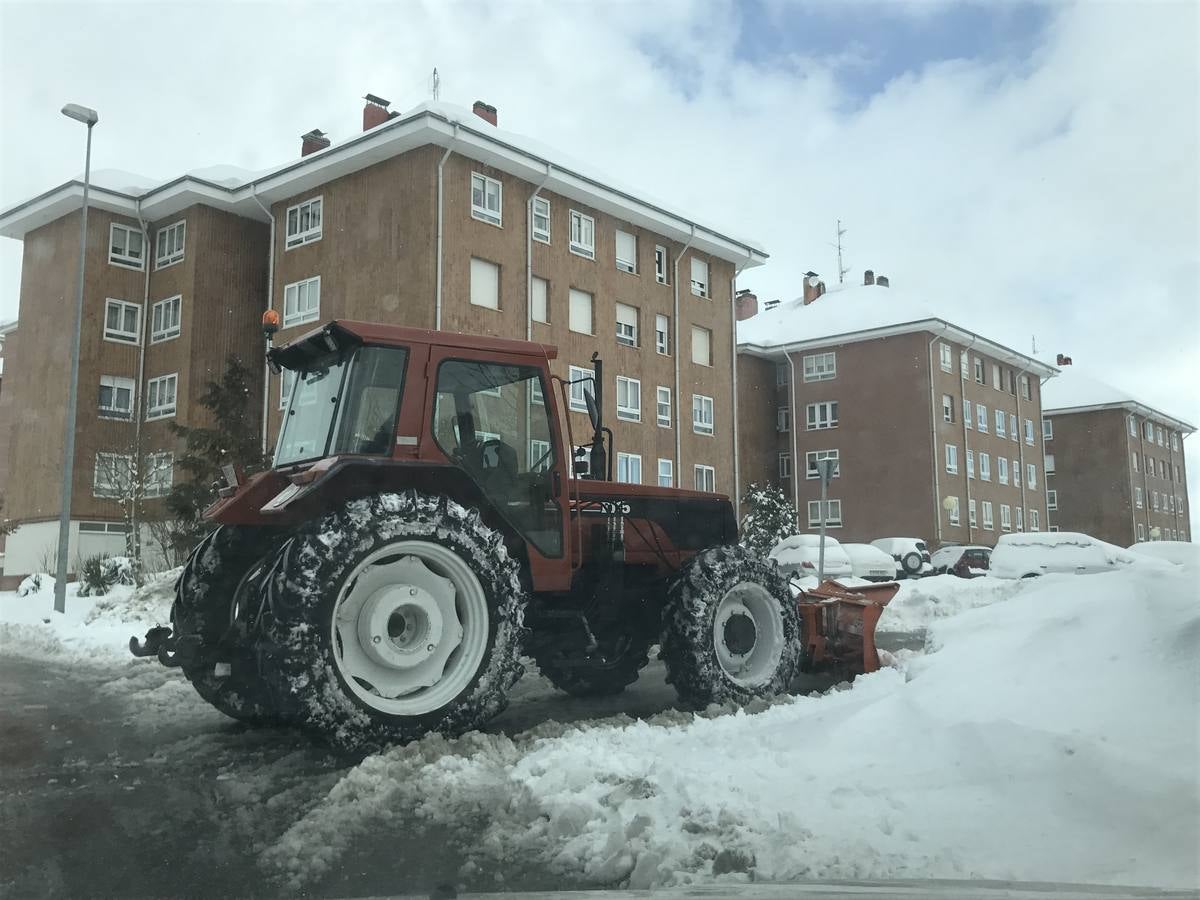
{"x": 89, "y": 118}
{"x": 826, "y": 468}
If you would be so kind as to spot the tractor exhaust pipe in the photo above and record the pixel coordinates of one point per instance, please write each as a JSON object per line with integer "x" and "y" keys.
{"x": 600, "y": 463}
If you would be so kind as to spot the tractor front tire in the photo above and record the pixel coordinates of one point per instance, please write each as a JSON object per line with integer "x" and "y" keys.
{"x": 202, "y": 612}
{"x": 731, "y": 630}
{"x": 395, "y": 616}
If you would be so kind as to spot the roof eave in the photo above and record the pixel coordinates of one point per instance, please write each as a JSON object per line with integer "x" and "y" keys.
{"x": 1142, "y": 409}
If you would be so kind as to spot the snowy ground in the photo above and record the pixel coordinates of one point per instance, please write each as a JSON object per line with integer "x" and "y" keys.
{"x": 1048, "y": 731}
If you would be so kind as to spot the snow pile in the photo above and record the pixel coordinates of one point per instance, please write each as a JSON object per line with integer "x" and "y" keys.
{"x": 1051, "y": 737}
{"x": 922, "y": 601}
{"x": 1062, "y": 551}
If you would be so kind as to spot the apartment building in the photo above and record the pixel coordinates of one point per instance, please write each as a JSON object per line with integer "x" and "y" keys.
{"x": 433, "y": 218}
{"x": 7, "y": 339}
{"x": 1115, "y": 466}
{"x": 935, "y": 427}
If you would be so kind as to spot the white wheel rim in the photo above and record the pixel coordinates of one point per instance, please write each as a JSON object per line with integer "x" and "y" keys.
{"x": 410, "y": 628}
{"x": 748, "y": 634}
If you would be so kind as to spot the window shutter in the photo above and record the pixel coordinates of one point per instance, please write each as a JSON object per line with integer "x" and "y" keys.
{"x": 626, "y": 315}
{"x": 485, "y": 283}
{"x": 541, "y": 303}
{"x": 580, "y": 313}
{"x": 701, "y": 351}
{"x": 626, "y": 251}
{"x": 699, "y": 271}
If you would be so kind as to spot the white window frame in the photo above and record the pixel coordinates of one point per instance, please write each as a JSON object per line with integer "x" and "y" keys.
{"x": 1012, "y": 427}
{"x": 947, "y": 408}
{"x": 287, "y": 380}
{"x": 155, "y": 408}
{"x": 783, "y": 419}
{"x": 997, "y": 381}
{"x": 662, "y": 264}
{"x": 627, "y": 332}
{"x": 659, "y": 403}
{"x": 124, "y": 260}
{"x": 1136, "y": 459}
{"x": 1025, "y": 392}
{"x": 981, "y": 418}
{"x": 1001, "y": 418}
{"x": 298, "y": 238}
{"x": 121, "y": 336}
{"x": 704, "y": 478}
{"x": 785, "y": 464}
{"x": 1002, "y": 470}
{"x": 946, "y": 356}
{"x": 574, "y": 373}
{"x": 481, "y": 265}
{"x": 952, "y": 459}
{"x": 1035, "y": 523}
{"x": 709, "y": 338}
{"x": 541, "y": 210}
{"x": 812, "y": 457}
{"x": 628, "y": 412}
{"x": 832, "y": 520}
{"x": 544, "y": 300}
{"x": 116, "y": 383}
{"x": 1141, "y": 531}
{"x": 700, "y": 405}
{"x": 1005, "y": 517}
{"x": 1031, "y": 476}
{"x": 964, "y": 365}
{"x": 662, "y": 335}
{"x": 173, "y": 254}
{"x": 985, "y": 467}
{"x": 666, "y": 470}
{"x": 624, "y": 264}
{"x": 820, "y": 366}
{"x": 970, "y": 463}
{"x": 1132, "y": 420}
{"x": 578, "y": 245}
{"x": 629, "y": 461}
{"x": 968, "y": 414}
{"x": 296, "y": 316}
{"x": 1019, "y": 517}
{"x": 107, "y": 464}
{"x": 972, "y": 517}
{"x": 783, "y": 374}
{"x": 954, "y": 511}
{"x": 1016, "y": 473}
{"x": 1048, "y": 463}
{"x": 1051, "y": 499}
{"x": 1029, "y": 431}
{"x": 1047, "y": 430}
{"x": 483, "y": 212}
{"x": 158, "y": 334}
{"x": 821, "y": 416}
{"x": 571, "y": 323}
{"x": 155, "y": 464}
{"x": 989, "y": 523}
{"x": 700, "y": 286}
{"x": 1137, "y": 497}
{"x": 980, "y": 377}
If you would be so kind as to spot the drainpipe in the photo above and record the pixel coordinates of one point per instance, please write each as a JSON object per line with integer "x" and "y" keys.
{"x": 1021, "y": 452}
{"x": 962, "y": 411}
{"x": 737, "y": 475}
{"x": 266, "y": 398}
{"x": 675, "y": 328}
{"x": 437, "y": 308}
{"x": 134, "y": 540}
{"x": 528, "y": 255}
{"x": 933, "y": 415}
{"x": 794, "y": 425}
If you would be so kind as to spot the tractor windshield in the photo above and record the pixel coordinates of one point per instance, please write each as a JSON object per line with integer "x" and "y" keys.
{"x": 343, "y": 404}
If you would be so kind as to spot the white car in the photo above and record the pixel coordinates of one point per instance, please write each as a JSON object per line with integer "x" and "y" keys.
{"x": 870, "y": 562}
{"x": 1036, "y": 553}
{"x": 910, "y": 555}
{"x": 1182, "y": 553}
{"x": 798, "y": 555}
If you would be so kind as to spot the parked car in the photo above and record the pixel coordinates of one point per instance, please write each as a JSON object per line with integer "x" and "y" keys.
{"x": 798, "y": 555}
{"x": 1182, "y": 553}
{"x": 911, "y": 555}
{"x": 965, "y": 561}
{"x": 870, "y": 562}
{"x": 1031, "y": 554}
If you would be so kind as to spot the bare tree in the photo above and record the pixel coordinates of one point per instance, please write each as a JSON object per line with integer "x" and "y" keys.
{"x": 131, "y": 478}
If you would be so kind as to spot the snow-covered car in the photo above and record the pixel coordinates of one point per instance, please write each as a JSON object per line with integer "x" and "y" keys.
{"x": 1030, "y": 554}
{"x": 870, "y": 562}
{"x": 910, "y": 555}
{"x": 798, "y": 555}
{"x": 1182, "y": 553}
{"x": 965, "y": 561}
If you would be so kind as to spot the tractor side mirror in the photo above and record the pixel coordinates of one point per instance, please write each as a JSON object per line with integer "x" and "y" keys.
{"x": 593, "y": 412}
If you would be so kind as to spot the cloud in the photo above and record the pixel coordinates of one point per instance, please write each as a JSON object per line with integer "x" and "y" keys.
{"x": 1050, "y": 193}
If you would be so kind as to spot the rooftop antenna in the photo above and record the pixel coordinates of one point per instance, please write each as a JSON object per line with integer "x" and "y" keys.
{"x": 1033, "y": 338}
{"x": 842, "y": 270}
{"x": 435, "y": 85}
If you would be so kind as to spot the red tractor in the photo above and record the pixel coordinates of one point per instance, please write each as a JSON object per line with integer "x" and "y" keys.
{"x": 428, "y": 520}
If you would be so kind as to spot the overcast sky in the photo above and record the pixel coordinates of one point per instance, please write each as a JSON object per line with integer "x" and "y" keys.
{"x": 1034, "y": 166}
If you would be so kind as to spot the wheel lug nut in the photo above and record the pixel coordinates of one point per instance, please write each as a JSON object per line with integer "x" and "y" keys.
{"x": 430, "y": 648}
{"x": 412, "y": 592}
{"x": 377, "y": 639}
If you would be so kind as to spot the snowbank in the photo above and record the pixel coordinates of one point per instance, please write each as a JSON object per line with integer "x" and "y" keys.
{"x": 1052, "y": 737}
{"x": 92, "y": 628}
{"x": 922, "y": 601}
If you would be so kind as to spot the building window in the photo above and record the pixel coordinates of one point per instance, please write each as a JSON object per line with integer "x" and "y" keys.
{"x": 952, "y": 509}
{"x": 988, "y": 522}
{"x": 981, "y": 418}
{"x": 664, "y": 406}
{"x": 1049, "y": 466}
{"x": 996, "y": 377}
{"x": 1020, "y": 514}
{"x": 1002, "y": 469}
{"x": 947, "y": 408}
{"x": 978, "y": 370}
{"x": 783, "y": 374}
{"x": 627, "y": 325}
{"x": 785, "y": 464}
{"x": 971, "y": 519}
{"x": 970, "y": 463}
{"x": 113, "y": 475}
{"x": 626, "y": 252}
{"x": 1025, "y": 393}
{"x": 1158, "y": 435}
{"x": 821, "y": 415}
{"x": 662, "y": 331}
{"x": 968, "y": 414}
{"x": 947, "y": 357}
{"x": 1016, "y": 473}
{"x": 1000, "y": 423}
{"x": 701, "y": 346}
{"x": 833, "y": 513}
{"x": 702, "y": 414}
{"x": 1148, "y": 430}
{"x": 541, "y": 219}
{"x": 820, "y": 367}
{"x": 1031, "y": 476}
{"x": 583, "y": 235}
{"x": 1154, "y": 500}
{"x": 629, "y": 399}
{"x": 1141, "y": 532}
{"x": 485, "y": 199}
{"x": 812, "y": 457}
{"x": 159, "y": 475}
{"x": 122, "y": 321}
{"x": 485, "y": 283}
{"x": 168, "y": 244}
{"x": 126, "y": 247}
{"x": 304, "y": 223}
{"x": 287, "y": 381}
{"x": 1136, "y": 460}
{"x": 164, "y": 319}
{"x": 985, "y": 467}
{"x": 1149, "y": 464}
{"x": 699, "y": 277}
{"x": 629, "y": 468}
{"x": 661, "y": 265}
{"x": 964, "y": 366}
{"x": 160, "y": 396}
{"x": 1047, "y": 430}
{"x": 783, "y": 419}
{"x": 1051, "y": 498}
{"x": 1034, "y": 523}
{"x": 1137, "y": 497}
{"x": 302, "y": 302}
{"x": 1132, "y": 426}
{"x": 705, "y": 478}
{"x": 579, "y": 312}
{"x": 1005, "y": 517}
{"x": 116, "y": 397}
{"x": 1029, "y": 431}
{"x": 579, "y": 381}
{"x": 1175, "y": 441}
{"x": 539, "y": 309}
{"x": 952, "y": 459}
{"x": 666, "y": 473}
{"x": 1012, "y": 427}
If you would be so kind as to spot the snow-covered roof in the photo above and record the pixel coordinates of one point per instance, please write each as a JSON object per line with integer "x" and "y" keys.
{"x": 1073, "y": 391}
{"x": 446, "y": 125}
{"x": 852, "y": 313}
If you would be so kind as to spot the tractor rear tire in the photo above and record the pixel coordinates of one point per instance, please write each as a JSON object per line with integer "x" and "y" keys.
{"x": 396, "y": 615}
{"x": 586, "y": 682}
{"x": 204, "y": 595}
{"x": 731, "y": 630}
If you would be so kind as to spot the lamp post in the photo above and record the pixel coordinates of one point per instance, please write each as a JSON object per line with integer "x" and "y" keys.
{"x": 89, "y": 118}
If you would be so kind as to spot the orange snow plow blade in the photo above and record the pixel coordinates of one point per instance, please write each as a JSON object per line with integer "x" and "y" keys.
{"x": 839, "y": 626}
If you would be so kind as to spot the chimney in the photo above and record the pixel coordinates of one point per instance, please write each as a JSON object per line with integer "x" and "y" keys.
{"x": 868, "y": 277}
{"x": 1063, "y": 360}
{"x": 882, "y": 280}
{"x": 485, "y": 112}
{"x": 814, "y": 287}
{"x": 313, "y": 141}
{"x": 375, "y": 112}
{"x": 745, "y": 305}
